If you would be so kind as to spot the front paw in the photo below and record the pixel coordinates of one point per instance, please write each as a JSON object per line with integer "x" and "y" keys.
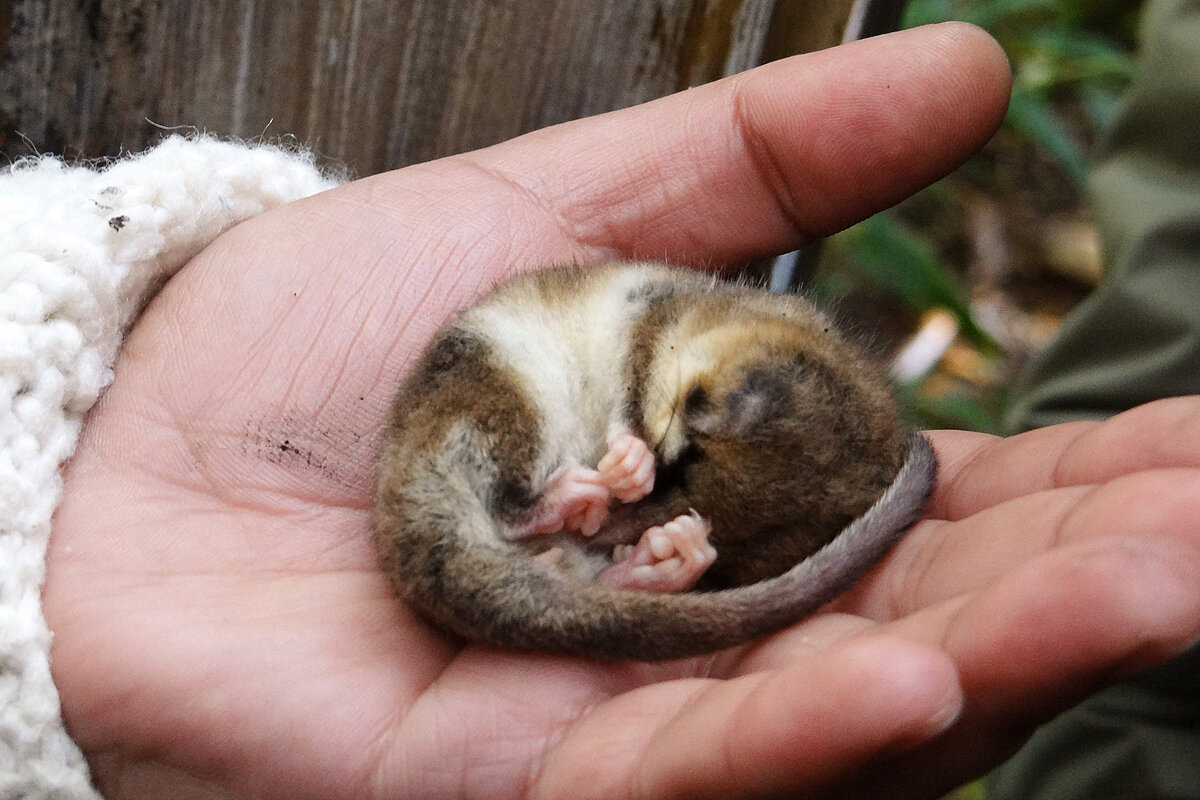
{"x": 627, "y": 469}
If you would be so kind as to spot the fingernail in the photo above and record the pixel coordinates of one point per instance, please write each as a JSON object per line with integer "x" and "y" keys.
{"x": 947, "y": 713}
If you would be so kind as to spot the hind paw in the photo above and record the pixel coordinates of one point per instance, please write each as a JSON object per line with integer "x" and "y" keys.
{"x": 667, "y": 558}
{"x": 576, "y": 500}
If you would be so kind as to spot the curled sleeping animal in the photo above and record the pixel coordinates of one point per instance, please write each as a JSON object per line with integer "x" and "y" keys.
{"x": 639, "y": 462}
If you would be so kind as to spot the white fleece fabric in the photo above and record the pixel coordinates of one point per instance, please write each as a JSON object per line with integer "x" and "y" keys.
{"x": 80, "y": 249}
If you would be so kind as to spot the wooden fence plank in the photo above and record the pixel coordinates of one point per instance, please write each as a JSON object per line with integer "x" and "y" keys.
{"x": 374, "y": 84}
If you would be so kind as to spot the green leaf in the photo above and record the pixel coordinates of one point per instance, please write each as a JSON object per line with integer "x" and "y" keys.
{"x": 927, "y": 12}
{"x": 997, "y": 15}
{"x": 1034, "y": 119}
{"x": 898, "y": 260}
{"x": 992, "y": 15}
{"x": 957, "y": 411}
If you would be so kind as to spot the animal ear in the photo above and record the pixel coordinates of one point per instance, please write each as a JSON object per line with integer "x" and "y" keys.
{"x": 698, "y": 412}
{"x": 760, "y": 398}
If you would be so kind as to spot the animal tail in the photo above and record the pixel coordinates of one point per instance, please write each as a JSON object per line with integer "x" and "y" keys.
{"x": 517, "y": 602}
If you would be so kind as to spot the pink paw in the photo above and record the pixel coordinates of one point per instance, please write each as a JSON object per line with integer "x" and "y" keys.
{"x": 627, "y": 469}
{"x": 668, "y": 558}
{"x": 576, "y": 500}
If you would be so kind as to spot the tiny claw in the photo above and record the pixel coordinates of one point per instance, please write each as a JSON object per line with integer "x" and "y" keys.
{"x": 552, "y": 557}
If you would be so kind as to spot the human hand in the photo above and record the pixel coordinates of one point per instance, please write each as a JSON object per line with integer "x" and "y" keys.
{"x": 222, "y": 628}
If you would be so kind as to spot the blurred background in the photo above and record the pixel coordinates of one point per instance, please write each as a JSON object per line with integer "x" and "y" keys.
{"x": 995, "y": 254}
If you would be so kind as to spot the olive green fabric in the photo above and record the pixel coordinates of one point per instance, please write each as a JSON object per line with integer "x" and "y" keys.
{"x": 1137, "y": 338}
{"x": 1138, "y": 740}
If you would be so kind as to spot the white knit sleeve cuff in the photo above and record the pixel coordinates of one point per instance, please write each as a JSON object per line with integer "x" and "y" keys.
{"x": 80, "y": 249}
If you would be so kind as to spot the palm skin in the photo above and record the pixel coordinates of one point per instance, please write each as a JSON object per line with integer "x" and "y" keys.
{"x": 222, "y": 629}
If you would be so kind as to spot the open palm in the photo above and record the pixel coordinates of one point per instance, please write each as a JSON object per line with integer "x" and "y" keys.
{"x": 222, "y": 628}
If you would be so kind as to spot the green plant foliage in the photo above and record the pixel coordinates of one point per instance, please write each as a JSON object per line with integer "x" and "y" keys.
{"x": 878, "y": 244}
{"x": 957, "y": 410}
{"x": 1050, "y": 53}
{"x": 974, "y": 791}
{"x": 1036, "y": 121}
{"x": 1071, "y": 62}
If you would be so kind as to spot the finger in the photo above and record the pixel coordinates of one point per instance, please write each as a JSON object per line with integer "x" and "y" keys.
{"x": 594, "y": 519}
{"x": 788, "y": 646}
{"x": 1017, "y": 465}
{"x": 763, "y": 735}
{"x": 941, "y": 560}
{"x": 1092, "y": 611}
{"x": 1162, "y": 434}
{"x": 689, "y": 536}
{"x": 1039, "y": 640}
{"x": 761, "y": 161}
{"x": 627, "y": 468}
{"x": 977, "y": 471}
{"x": 1026, "y": 647}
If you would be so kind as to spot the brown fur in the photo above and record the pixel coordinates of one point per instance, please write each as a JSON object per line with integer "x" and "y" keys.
{"x": 764, "y": 421}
